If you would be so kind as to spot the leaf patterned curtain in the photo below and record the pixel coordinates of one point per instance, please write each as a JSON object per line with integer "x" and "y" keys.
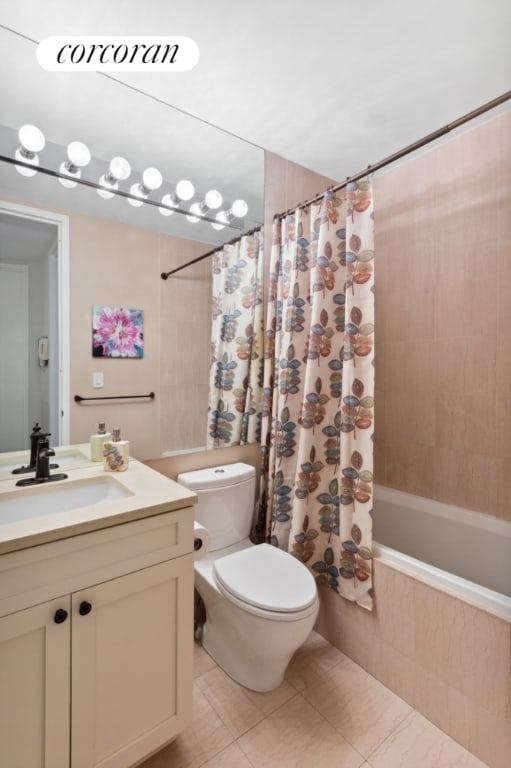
{"x": 317, "y": 427}
{"x": 236, "y": 371}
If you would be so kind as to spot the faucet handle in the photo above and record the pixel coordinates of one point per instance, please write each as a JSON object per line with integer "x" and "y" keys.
{"x": 43, "y": 447}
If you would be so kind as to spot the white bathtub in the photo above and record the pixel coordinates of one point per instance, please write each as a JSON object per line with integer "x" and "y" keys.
{"x": 463, "y": 552}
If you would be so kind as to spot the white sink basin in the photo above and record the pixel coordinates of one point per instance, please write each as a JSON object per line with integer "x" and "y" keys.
{"x": 59, "y": 496}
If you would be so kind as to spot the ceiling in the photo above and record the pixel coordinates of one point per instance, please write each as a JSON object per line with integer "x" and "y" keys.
{"x": 332, "y": 85}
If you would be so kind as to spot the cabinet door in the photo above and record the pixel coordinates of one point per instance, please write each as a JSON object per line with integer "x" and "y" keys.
{"x": 132, "y": 646}
{"x": 35, "y": 686}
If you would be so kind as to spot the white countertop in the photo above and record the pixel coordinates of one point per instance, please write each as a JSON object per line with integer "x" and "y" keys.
{"x": 150, "y": 494}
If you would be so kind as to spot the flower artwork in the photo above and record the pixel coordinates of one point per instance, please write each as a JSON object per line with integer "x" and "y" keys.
{"x": 117, "y": 332}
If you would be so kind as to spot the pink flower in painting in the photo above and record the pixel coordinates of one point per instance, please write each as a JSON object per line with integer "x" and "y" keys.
{"x": 118, "y": 332}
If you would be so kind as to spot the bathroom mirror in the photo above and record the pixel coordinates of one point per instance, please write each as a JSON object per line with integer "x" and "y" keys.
{"x": 112, "y": 119}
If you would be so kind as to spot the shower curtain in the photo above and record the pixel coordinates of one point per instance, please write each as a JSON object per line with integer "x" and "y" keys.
{"x": 236, "y": 366}
{"x": 317, "y": 425}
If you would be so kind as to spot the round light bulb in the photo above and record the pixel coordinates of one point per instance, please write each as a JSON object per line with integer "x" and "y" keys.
{"x": 220, "y": 221}
{"x": 152, "y": 178}
{"x": 167, "y": 200}
{"x": 239, "y": 209}
{"x": 135, "y": 190}
{"x": 34, "y": 160}
{"x": 32, "y": 141}
{"x": 185, "y": 189}
{"x": 68, "y": 183}
{"x": 194, "y": 209}
{"x": 104, "y": 193}
{"x": 78, "y": 154}
{"x": 213, "y": 199}
{"x": 120, "y": 168}
{"x": 31, "y": 138}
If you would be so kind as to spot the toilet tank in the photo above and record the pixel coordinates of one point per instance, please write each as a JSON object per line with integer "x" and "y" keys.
{"x": 225, "y": 501}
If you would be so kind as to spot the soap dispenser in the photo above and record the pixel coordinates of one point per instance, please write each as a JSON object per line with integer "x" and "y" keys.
{"x": 97, "y": 441}
{"x": 116, "y": 453}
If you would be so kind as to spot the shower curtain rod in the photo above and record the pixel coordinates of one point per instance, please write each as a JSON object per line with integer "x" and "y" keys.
{"x": 405, "y": 151}
{"x": 165, "y": 275}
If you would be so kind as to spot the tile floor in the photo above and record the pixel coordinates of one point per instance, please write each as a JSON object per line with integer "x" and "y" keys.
{"x": 328, "y": 713}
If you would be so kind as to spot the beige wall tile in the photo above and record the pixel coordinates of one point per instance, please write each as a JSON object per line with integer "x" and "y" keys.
{"x": 396, "y": 671}
{"x": 474, "y": 371}
{"x": 410, "y": 466}
{"x": 410, "y": 416}
{"x": 466, "y": 424}
{"x": 503, "y": 385}
{"x": 466, "y": 479}
{"x": 409, "y": 366}
{"x": 466, "y": 308}
{"x": 443, "y": 237}
{"x": 465, "y": 647}
{"x": 185, "y": 300}
{"x": 187, "y": 462}
{"x": 394, "y": 597}
{"x": 503, "y": 488}
{"x": 446, "y": 707}
{"x": 380, "y": 456}
{"x": 303, "y": 185}
{"x": 410, "y": 316}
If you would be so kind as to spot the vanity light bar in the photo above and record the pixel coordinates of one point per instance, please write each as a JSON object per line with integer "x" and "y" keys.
{"x": 26, "y": 162}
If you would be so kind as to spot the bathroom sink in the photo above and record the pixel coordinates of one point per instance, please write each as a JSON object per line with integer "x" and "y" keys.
{"x": 36, "y": 501}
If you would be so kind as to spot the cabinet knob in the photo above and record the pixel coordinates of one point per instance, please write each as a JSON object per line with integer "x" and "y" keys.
{"x": 85, "y": 608}
{"x": 60, "y": 615}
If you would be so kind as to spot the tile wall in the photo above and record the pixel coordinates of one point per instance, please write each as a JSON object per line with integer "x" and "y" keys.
{"x": 443, "y": 314}
{"x": 449, "y": 660}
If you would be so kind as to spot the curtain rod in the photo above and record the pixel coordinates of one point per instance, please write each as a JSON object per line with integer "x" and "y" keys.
{"x": 405, "y": 151}
{"x": 165, "y": 275}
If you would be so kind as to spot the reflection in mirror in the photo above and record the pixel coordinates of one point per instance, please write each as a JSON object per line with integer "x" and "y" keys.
{"x": 113, "y": 120}
{"x": 33, "y": 268}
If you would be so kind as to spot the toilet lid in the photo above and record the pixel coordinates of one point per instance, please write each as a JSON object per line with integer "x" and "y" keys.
{"x": 267, "y": 577}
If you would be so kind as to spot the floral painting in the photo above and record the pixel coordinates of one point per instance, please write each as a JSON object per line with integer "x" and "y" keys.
{"x": 117, "y": 332}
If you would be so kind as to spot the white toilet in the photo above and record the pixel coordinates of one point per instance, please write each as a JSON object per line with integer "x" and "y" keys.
{"x": 261, "y": 603}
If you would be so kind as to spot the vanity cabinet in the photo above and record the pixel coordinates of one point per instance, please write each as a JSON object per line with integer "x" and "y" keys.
{"x": 99, "y": 675}
{"x": 35, "y": 691}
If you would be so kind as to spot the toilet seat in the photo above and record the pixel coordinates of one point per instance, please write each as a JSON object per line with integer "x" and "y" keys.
{"x": 265, "y": 580}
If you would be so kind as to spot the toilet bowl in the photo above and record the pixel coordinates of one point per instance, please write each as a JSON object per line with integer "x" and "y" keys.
{"x": 260, "y": 602}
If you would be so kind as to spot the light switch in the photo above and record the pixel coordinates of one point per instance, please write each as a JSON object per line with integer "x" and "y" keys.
{"x": 97, "y": 379}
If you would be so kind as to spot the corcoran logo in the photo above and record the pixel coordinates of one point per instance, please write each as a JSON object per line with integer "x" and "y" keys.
{"x": 116, "y": 54}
